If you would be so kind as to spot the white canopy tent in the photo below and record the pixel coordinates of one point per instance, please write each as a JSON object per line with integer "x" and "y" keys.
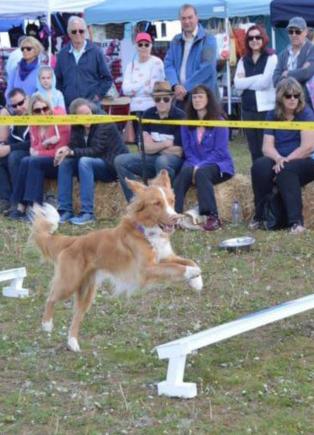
{"x": 25, "y": 9}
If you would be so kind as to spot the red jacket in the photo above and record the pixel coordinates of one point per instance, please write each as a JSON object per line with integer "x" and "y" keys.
{"x": 63, "y": 131}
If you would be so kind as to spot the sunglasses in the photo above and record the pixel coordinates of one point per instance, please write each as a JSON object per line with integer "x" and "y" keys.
{"x": 19, "y": 104}
{"x": 256, "y": 37}
{"x": 289, "y": 96}
{"x": 164, "y": 99}
{"x": 143, "y": 44}
{"x": 27, "y": 48}
{"x": 80, "y": 31}
{"x": 39, "y": 110}
{"x": 294, "y": 31}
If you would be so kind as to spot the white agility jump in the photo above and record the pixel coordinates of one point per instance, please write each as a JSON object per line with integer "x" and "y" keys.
{"x": 15, "y": 288}
{"x": 176, "y": 351}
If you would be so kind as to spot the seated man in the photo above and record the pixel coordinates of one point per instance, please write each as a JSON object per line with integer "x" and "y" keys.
{"x": 13, "y": 148}
{"x": 89, "y": 155}
{"x": 162, "y": 143}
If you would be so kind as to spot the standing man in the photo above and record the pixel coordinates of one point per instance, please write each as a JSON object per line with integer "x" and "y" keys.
{"x": 297, "y": 60}
{"x": 14, "y": 149}
{"x": 191, "y": 57}
{"x": 81, "y": 69}
{"x": 162, "y": 142}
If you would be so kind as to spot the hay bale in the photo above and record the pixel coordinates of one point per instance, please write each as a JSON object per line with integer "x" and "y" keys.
{"x": 109, "y": 199}
{"x": 237, "y": 188}
{"x": 308, "y": 205}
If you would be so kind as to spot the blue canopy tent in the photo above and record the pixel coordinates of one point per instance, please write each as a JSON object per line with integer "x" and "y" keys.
{"x": 121, "y": 11}
{"x": 282, "y": 10}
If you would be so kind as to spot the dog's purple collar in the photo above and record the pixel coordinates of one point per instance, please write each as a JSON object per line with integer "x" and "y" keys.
{"x": 140, "y": 228}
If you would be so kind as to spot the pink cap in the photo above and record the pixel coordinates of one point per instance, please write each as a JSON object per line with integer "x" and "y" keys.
{"x": 143, "y": 36}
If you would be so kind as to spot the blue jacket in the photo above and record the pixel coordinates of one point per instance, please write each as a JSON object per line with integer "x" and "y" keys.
{"x": 89, "y": 78}
{"x": 201, "y": 64}
{"x": 28, "y": 84}
{"x": 213, "y": 148}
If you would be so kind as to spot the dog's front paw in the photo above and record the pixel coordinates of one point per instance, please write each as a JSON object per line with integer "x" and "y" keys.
{"x": 191, "y": 272}
{"x": 73, "y": 344}
{"x": 47, "y": 326}
{"x": 196, "y": 283}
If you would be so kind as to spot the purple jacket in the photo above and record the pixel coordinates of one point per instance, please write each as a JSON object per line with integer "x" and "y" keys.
{"x": 213, "y": 148}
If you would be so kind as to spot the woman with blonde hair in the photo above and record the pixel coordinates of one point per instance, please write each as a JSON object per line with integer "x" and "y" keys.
{"x": 287, "y": 164}
{"x": 45, "y": 142}
{"x": 24, "y": 75}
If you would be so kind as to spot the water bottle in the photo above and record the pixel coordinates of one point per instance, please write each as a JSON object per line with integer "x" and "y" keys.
{"x": 236, "y": 213}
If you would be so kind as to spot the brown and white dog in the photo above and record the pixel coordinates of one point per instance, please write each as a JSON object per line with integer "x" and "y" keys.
{"x": 135, "y": 254}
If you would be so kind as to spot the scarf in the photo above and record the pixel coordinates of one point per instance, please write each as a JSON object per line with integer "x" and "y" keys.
{"x": 26, "y": 68}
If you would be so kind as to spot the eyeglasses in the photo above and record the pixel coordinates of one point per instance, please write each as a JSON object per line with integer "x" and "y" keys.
{"x": 19, "y": 104}
{"x": 27, "y": 48}
{"x": 164, "y": 99}
{"x": 80, "y": 31}
{"x": 296, "y": 31}
{"x": 289, "y": 96}
{"x": 143, "y": 44}
{"x": 39, "y": 110}
{"x": 257, "y": 37}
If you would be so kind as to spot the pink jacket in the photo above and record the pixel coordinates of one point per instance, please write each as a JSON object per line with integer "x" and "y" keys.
{"x": 62, "y": 131}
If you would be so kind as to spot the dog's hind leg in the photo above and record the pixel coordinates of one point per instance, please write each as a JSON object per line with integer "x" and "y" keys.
{"x": 63, "y": 285}
{"x": 82, "y": 303}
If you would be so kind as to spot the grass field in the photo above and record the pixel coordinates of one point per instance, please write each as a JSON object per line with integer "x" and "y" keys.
{"x": 257, "y": 383}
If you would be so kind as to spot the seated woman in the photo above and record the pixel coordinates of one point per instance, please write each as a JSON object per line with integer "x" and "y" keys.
{"x": 89, "y": 156}
{"x": 287, "y": 161}
{"x": 207, "y": 159}
{"x": 45, "y": 141}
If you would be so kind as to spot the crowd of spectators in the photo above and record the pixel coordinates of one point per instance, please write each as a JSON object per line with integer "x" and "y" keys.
{"x": 183, "y": 86}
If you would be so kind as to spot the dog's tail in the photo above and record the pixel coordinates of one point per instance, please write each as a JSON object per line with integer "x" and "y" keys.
{"x": 45, "y": 221}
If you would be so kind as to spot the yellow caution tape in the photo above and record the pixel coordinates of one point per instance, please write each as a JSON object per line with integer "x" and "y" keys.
{"x": 277, "y": 125}
{"x": 64, "y": 119}
{"x": 104, "y": 119}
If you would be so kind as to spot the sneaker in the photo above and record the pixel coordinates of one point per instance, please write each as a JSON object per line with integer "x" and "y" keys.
{"x": 65, "y": 216}
{"x": 4, "y": 205}
{"x": 297, "y": 228}
{"x": 83, "y": 219}
{"x": 18, "y": 215}
{"x": 255, "y": 225}
{"x": 212, "y": 224}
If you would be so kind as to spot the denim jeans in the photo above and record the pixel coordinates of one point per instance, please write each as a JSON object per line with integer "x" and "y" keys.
{"x": 9, "y": 168}
{"x": 88, "y": 170}
{"x": 131, "y": 166}
{"x": 30, "y": 180}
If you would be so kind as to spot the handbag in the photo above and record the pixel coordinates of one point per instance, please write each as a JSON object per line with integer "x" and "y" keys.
{"x": 274, "y": 215}
{"x": 128, "y": 133}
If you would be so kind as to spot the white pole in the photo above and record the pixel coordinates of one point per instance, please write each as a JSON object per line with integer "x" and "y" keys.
{"x": 273, "y": 38}
{"x": 227, "y": 24}
{"x": 50, "y": 37}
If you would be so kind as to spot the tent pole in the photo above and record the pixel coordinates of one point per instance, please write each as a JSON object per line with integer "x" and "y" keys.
{"x": 49, "y": 37}
{"x": 227, "y": 24}
{"x": 273, "y": 38}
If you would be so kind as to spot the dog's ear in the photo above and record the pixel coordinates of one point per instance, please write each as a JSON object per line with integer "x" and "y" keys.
{"x": 135, "y": 186}
{"x": 162, "y": 179}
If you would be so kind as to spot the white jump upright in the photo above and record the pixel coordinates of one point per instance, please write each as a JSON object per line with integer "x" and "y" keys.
{"x": 176, "y": 351}
{"x": 15, "y": 288}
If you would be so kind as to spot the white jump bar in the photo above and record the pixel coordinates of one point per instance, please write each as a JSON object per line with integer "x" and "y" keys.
{"x": 177, "y": 350}
{"x": 15, "y": 276}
